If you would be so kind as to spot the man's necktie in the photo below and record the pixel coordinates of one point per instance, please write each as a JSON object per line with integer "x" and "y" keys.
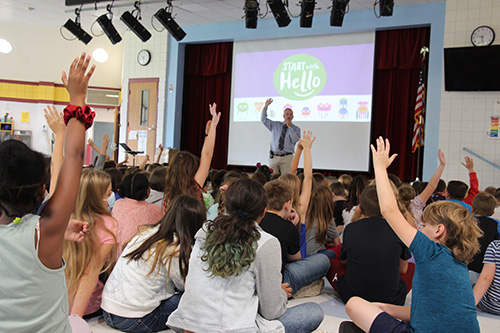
{"x": 282, "y": 137}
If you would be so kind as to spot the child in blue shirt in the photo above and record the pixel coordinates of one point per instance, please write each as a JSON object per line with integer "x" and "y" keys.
{"x": 442, "y": 295}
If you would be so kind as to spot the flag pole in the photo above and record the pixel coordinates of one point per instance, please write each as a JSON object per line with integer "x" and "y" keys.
{"x": 423, "y": 51}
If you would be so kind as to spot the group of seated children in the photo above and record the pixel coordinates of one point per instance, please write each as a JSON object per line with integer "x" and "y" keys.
{"x": 150, "y": 248}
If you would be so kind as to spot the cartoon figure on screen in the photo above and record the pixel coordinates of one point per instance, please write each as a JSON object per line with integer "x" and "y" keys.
{"x": 243, "y": 110}
{"x": 258, "y": 108}
{"x": 323, "y": 110}
{"x": 343, "y": 113}
{"x": 362, "y": 111}
{"x": 306, "y": 112}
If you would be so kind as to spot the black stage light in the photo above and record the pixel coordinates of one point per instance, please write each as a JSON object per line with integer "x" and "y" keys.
{"x": 307, "y": 13}
{"x": 133, "y": 24}
{"x": 279, "y": 12}
{"x": 168, "y": 22}
{"x": 251, "y": 11}
{"x": 386, "y": 7}
{"x": 338, "y": 12}
{"x": 109, "y": 29}
{"x": 77, "y": 30}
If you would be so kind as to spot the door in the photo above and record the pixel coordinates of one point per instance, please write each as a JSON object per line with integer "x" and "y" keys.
{"x": 142, "y": 107}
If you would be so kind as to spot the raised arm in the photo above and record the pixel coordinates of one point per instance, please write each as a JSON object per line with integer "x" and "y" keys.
{"x": 387, "y": 200}
{"x": 144, "y": 163}
{"x": 56, "y": 213}
{"x": 159, "y": 155}
{"x": 474, "y": 183}
{"x": 433, "y": 183}
{"x": 56, "y": 125}
{"x": 296, "y": 158}
{"x": 305, "y": 195}
{"x": 263, "y": 116}
{"x": 208, "y": 147}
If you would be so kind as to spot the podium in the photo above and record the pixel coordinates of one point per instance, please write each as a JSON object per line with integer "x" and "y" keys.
{"x": 130, "y": 152}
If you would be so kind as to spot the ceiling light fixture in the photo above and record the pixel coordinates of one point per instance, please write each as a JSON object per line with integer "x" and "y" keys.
{"x": 386, "y": 7}
{"x": 100, "y": 55}
{"x": 133, "y": 22}
{"x": 279, "y": 12}
{"x": 339, "y": 8}
{"x": 107, "y": 26}
{"x": 76, "y": 29}
{"x": 307, "y": 13}
{"x": 164, "y": 16}
{"x": 251, "y": 13}
{"x": 5, "y": 46}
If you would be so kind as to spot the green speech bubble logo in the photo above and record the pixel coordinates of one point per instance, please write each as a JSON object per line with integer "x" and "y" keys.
{"x": 299, "y": 77}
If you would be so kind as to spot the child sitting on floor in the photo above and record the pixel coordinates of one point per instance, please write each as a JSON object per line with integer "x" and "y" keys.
{"x": 234, "y": 280}
{"x": 33, "y": 292}
{"x": 375, "y": 256}
{"x": 483, "y": 206}
{"x": 487, "y": 288}
{"x": 442, "y": 295}
{"x": 148, "y": 280}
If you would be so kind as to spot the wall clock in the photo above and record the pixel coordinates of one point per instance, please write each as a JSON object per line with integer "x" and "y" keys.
{"x": 143, "y": 57}
{"x": 482, "y": 36}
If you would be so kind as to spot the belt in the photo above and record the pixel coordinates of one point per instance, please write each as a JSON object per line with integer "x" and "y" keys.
{"x": 285, "y": 154}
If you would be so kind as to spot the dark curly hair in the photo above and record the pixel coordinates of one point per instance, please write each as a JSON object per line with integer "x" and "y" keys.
{"x": 23, "y": 172}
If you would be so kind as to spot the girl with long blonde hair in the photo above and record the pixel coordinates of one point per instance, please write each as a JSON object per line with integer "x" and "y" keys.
{"x": 87, "y": 259}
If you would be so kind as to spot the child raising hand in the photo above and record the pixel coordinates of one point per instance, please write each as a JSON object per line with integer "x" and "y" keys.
{"x": 442, "y": 294}
{"x": 32, "y": 270}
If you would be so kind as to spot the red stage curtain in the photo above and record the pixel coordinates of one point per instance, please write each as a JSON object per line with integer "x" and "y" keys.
{"x": 207, "y": 79}
{"x": 397, "y": 69}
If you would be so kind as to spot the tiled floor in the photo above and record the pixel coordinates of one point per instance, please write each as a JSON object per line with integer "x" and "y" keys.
{"x": 334, "y": 314}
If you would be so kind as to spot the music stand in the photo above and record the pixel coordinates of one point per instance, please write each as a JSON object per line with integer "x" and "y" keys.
{"x": 131, "y": 152}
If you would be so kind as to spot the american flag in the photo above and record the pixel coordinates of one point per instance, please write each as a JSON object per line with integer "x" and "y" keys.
{"x": 419, "y": 113}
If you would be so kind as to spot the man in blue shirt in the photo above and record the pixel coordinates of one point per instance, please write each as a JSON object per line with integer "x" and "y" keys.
{"x": 284, "y": 136}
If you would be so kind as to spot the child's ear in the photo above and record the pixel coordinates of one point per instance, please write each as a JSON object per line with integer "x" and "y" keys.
{"x": 440, "y": 232}
{"x": 446, "y": 194}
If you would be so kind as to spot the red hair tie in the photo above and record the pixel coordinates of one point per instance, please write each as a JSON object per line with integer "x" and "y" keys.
{"x": 84, "y": 114}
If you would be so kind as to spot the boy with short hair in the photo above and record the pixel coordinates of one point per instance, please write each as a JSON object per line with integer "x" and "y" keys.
{"x": 339, "y": 203}
{"x": 280, "y": 221}
{"x": 375, "y": 256}
{"x": 483, "y": 206}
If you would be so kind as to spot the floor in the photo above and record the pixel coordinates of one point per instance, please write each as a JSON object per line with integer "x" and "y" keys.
{"x": 334, "y": 314}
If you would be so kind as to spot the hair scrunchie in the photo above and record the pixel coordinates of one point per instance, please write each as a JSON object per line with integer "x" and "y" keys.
{"x": 84, "y": 114}
{"x": 242, "y": 214}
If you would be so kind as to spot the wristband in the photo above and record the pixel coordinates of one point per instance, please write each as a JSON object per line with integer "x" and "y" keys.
{"x": 84, "y": 114}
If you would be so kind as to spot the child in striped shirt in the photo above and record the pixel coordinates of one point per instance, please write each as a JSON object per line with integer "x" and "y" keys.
{"x": 487, "y": 288}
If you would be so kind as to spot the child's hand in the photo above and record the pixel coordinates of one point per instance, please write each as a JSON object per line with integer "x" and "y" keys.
{"x": 294, "y": 217}
{"x": 105, "y": 143}
{"x": 287, "y": 289}
{"x": 268, "y": 102}
{"x": 306, "y": 141}
{"x": 469, "y": 164}
{"x": 78, "y": 79}
{"x": 54, "y": 120}
{"x": 160, "y": 147}
{"x": 91, "y": 143}
{"x": 215, "y": 115}
{"x": 442, "y": 160}
{"x": 381, "y": 157}
{"x": 76, "y": 230}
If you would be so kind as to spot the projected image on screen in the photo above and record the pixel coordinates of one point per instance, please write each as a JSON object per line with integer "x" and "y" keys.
{"x": 319, "y": 84}
{"x": 327, "y": 82}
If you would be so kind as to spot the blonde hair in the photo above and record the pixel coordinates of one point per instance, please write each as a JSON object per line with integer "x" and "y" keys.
{"x": 462, "y": 231}
{"x": 320, "y": 210}
{"x": 90, "y": 208}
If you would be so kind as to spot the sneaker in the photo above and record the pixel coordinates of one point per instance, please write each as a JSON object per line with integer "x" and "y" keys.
{"x": 313, "y": 289}
{"x": 349, "y": 327}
